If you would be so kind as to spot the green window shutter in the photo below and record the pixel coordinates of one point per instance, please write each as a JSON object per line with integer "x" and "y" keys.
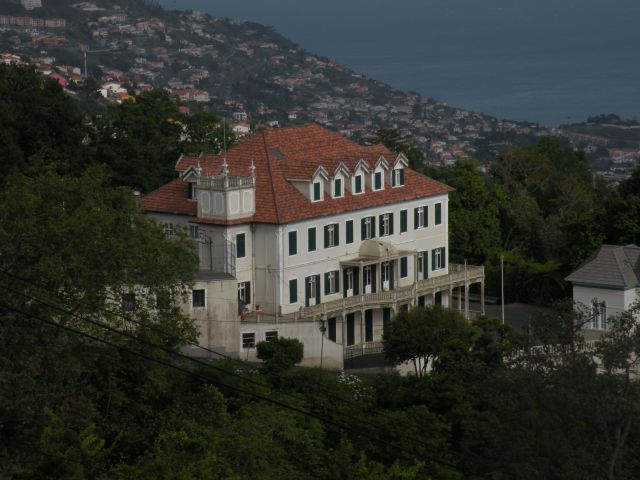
{"x": 391, "y": 224}
{"x": 362, "y": 229}
{"x": 443, "y": 256}
{"x": 326, "y": 236}
{"x": 311, "y": 239}
{"x": 337, "y": 275}
{"x": 247, "y": 292}
{"x": 426, "y": 216}
{"x": 317, "y": 289}
{"x": 359, "y": 184}
{"x": 337, "y": 187}
{"x": 433, "y": 259}
{"x": 336, "y": 233}
{"x": 403, "y": 267}
{"x": 349, "y": 231}
{"x": 402, "y": 176}
{"x": 393, "y": 178}
{"x": 380, "y": 226}
{"x": 415, "y": 218}
{"x": 373, "y": 226}
{"x": 293, "y": 243}
{"x": 378, "y": 180}
{"x": 403, "y": 221}
{"x": 240, "y": 246}
{"x": 293, "y": 291}
{"x": 326, "y": 283}
{"x": 316, "y": 191}
{"x": 438, "y": 214}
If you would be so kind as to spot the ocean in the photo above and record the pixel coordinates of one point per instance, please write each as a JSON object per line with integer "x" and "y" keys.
{"x": 546, "y": 61}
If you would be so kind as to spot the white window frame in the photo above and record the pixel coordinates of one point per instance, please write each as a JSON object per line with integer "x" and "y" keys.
{"x": 438, "y": 260}
{"x": 341, "y": 192}
{"x": 367, "y": 274}
{"x": 349, "y": 280}
{"x": 313, "y": 188}
{"x": 421, "y": 217}
{"x": 368, "y": 230}
{"x": 249, "y": 347}
{"x": 332, "y": 281}
{"x": 385, "y": 271}
{"x": 204, "y": 292}
{"x": 243, "y": 297}
{"x": 167, "y": 228}
{"x": 312, "y": 287}
{"x": 373, "y": 182}
{"x": 331, "y": 230}
{"x": 396, "y": 178}
{"x": 386, "y": 222}
{"x": 420, "y": 261}
{"x": 362, "y": 185}
{"x": 272, "y": 333}
{"x": 194, "y": 231}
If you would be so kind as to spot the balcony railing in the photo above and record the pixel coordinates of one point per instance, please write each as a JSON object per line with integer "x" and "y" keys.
{"x": 455, "y": 278}
{"x": 220, "y": 182}
{"x": 368, "y": 348}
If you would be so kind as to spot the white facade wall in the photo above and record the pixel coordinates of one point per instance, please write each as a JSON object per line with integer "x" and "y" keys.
{"x": 305, "y": 263}
{"x": 616, "y": 300}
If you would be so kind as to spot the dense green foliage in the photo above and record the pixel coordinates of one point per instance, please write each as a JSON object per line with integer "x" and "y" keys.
{"x": 280, "y": 354}
{"x": 92, "y": 383}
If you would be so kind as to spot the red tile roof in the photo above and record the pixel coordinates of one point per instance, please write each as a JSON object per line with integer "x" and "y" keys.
{"x": 292, "y": 153}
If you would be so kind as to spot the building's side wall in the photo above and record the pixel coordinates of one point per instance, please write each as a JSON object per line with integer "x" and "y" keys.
{"x": 307, "y": 332}
{"x": 615, "y": 299}
{"x": 266, "y": 268}
{"x": 217, "y": 321}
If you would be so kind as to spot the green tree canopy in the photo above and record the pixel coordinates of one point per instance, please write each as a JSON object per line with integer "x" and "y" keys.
{"x": 420, "y": 334}
{"x": 39, "y": 124}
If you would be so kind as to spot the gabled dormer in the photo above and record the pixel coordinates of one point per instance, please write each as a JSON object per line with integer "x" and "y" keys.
{"x": 191, "y": 175}
{"x": 359, "y": 180}
{"x": 397, "y": 172}
{"x": 380, "y": 174}
{"x": 319, "y": 181}
{"x": 339, "y": 180}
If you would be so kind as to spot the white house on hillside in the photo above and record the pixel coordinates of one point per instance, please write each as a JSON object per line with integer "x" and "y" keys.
{"x": 303, "y": 233}
{"x": 608, "y": 282}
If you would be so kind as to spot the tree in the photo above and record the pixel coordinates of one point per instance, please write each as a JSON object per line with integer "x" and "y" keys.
{"x": 75, "y": 248}
{"x": 474, "y": 211}
{"x": 140, "y": 140}
{"x": 391, "y": 139}
{"x": 420, "y": 334}
{"x": 205, "y": 133}
{"x": 40, "y": 125}
{"x": 280, "y": 354}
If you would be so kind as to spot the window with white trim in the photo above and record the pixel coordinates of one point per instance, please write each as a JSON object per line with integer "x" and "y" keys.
{"x": 191, "y": 190}
{"x": 337, "y": 188}
{"x": 193, "y": 231}
{"x": 420, "y": 217}
{"x": 349, "y": 279}
{"x": 317, "y": 191}
{"x": 438, "y": 258}
{"x": 270, "y": 335}
{"x": 331, "y": 235}
{"x": 368, "y": 228}
{"x": 248, "y": 340}
{"x": 331, "y": 285}
{"x": 358, "y": 184}
{"x": 198, "y": 298}
{"x": 377, "y": 181}
{"x": 398, "y": 177}
{"x": 244, "y": 292}
{"x": 168, "y": 229}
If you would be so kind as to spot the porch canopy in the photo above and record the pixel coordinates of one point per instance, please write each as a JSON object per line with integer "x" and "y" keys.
{"x": 375, "y": 251}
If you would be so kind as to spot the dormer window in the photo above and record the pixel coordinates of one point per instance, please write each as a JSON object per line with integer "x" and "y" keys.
{"x": 397, "y": 179}
{"x": 191, "y": 190}
{"x": 337, "y": 187}
{"x": 377, "y": 181}
{"x": 317, "y": 191}
{"x": 357, "y": 184}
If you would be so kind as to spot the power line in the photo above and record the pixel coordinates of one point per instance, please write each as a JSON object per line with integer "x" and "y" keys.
{"x": 219, "y": 383}
{"x": 159, "y": 330}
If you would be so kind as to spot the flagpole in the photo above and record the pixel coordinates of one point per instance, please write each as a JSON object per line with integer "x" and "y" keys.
{"x": 502, "y": 284}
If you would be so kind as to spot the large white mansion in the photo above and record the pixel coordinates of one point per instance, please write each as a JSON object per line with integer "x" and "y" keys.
{"x": 303, "y": 233}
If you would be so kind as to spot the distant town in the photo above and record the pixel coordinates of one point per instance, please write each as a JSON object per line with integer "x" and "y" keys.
{"x": 258, "y": 79}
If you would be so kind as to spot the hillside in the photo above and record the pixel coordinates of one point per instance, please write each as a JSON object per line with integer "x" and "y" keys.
{"x": 240, "y": 69}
